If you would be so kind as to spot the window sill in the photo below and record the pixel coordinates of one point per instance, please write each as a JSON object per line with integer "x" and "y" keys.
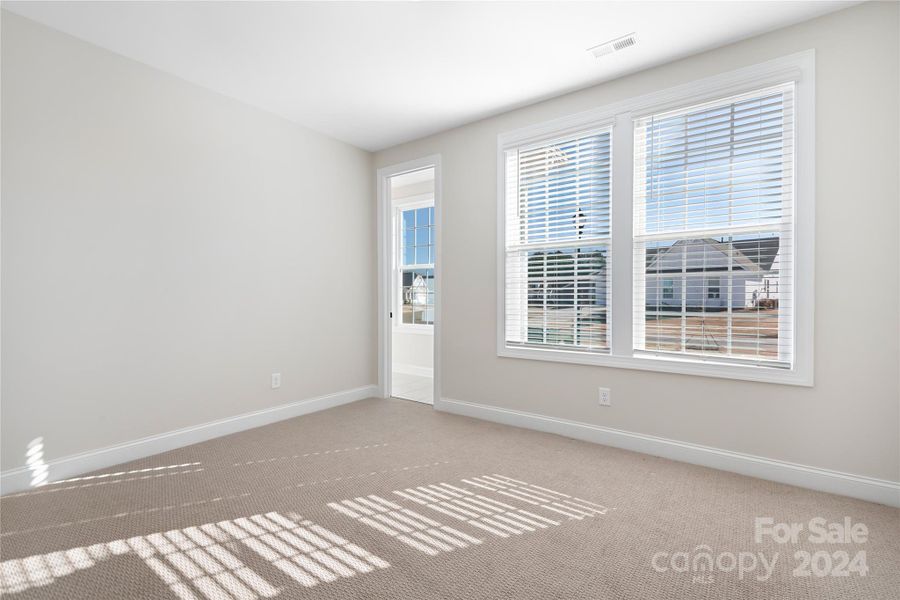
{"x": 685, "y": 366}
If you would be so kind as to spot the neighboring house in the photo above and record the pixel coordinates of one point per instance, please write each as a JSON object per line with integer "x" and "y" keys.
{"x": 561, "y": 294}
{"x": 417, "y": 293}
{"x": 696, "y": 273}
{"x": 699, "y": 268}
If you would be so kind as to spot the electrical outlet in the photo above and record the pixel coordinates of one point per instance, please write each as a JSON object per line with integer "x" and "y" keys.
{"x": 605, "y": 397}
{"x": 276, "y": 381}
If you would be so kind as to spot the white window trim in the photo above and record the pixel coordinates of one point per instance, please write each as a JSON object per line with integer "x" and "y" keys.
{"x": 799, "y": 68}
{"x": 398, "y": 206}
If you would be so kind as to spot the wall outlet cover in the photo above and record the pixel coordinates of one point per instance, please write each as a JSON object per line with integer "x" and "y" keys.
{"x": 605, "y": 397}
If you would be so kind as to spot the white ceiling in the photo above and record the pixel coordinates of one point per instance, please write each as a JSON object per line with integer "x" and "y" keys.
{"x": 381, "y": 73}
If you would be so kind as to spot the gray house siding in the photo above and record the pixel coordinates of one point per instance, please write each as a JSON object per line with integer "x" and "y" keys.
{"x": 705, "y": 274}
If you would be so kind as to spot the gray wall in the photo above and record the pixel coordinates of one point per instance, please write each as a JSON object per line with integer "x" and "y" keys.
{"x": 164, "y": 249}
{"x": 849, "y": 420}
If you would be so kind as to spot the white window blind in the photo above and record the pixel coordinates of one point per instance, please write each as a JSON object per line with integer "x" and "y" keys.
{"x": 713, "y": 230}
{"x": 557, "y": 242}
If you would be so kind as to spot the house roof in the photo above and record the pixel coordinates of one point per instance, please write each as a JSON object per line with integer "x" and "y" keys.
{"x": 754, "y": 255}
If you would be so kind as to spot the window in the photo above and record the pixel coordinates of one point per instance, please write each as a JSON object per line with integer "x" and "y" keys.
{"x": 416, "y": 265}
{"x": 670, "y": 232}
{"x": 713, "y": 202}
{"x": 668, "y": 289}
{"x": 557, "y": 242}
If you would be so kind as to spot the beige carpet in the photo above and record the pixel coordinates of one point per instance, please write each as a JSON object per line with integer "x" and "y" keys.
{"x": 389, "y": 499}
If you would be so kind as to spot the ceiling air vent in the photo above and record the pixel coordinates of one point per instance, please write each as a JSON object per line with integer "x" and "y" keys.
{"x": 626, "y": 41}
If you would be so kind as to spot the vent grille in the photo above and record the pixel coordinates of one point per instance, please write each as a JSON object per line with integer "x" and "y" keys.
{"x": 621, "y": 43}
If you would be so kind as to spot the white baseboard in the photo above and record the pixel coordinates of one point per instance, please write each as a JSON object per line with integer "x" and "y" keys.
{"x": 845, "y": 484}
{"x": 15, "y": 480}
{"x": 413, "y": 370}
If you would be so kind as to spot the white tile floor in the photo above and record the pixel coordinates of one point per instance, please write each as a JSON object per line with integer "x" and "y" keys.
{"x": 412, "y": 387}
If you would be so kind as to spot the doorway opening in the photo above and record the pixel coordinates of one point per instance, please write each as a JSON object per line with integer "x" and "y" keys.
{"x": 408, "y": 232}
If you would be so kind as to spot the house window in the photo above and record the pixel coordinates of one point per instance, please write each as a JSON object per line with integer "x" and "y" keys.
{"x": 668, "y": 289}
{"x": 670, "y": 232}
{"x": 416, "y": 265}
{"x": 557, "y": 208}
{"x": 713, "y": 203}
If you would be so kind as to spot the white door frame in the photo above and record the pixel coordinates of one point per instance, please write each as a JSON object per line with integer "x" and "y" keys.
{"x": 385, "y": 270}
